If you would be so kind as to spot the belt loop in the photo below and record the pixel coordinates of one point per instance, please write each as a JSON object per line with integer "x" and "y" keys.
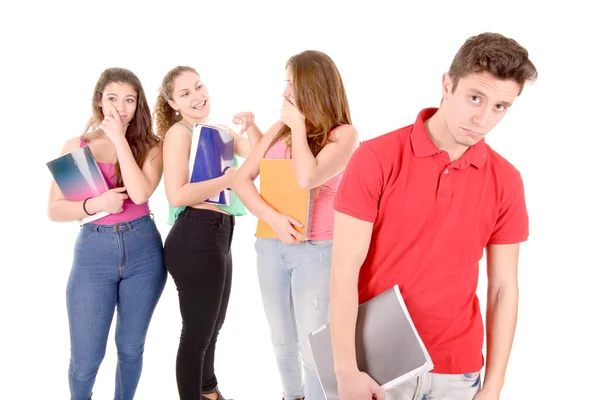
{"x": 97, "y": 228}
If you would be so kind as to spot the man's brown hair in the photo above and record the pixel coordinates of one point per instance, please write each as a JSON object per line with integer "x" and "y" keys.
{"x": 496, "y": 54}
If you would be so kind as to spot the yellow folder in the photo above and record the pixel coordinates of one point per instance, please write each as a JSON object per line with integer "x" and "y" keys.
{"x": 279, "y": 188}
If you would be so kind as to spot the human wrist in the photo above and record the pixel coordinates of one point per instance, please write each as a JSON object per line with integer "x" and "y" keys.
{"x": 120, "y": 143}
{"x": 493, "y": 381}
{"x": 299, "y": 129}
{"x": 347, "y": 370}
{"x": 270, "y": 216}
{"x": 92, "y": 205}
{"x": 227, "y": 178}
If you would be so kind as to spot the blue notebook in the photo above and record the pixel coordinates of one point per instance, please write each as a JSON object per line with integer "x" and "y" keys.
{"x": 211, "y": 154}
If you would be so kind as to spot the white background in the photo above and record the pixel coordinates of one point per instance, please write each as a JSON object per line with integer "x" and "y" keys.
{"x": 391, "y": 60}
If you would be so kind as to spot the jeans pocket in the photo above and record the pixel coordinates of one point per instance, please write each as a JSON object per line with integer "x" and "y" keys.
{"x": 84, "y": 235}
{"x": 264, "y": 245}
{"x": 146, "y": 229}
{"x": 319, "y": 243}
{"x": 472, "y": 378}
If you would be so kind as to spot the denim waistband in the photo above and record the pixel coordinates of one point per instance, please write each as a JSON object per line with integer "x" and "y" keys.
{"x": 120, "y": 226}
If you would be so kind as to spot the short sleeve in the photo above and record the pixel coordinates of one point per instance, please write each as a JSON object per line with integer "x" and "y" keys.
{"x": 512, "y": 224}
{"x": 361, "y": 186}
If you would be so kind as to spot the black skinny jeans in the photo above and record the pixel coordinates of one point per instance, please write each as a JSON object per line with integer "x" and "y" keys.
{"x": 197, "y": 254}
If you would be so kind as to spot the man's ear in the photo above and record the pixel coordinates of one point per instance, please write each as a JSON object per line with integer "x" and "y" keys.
{"x": 447, "y": 86}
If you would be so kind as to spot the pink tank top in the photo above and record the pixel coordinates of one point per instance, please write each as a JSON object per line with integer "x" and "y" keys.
{"x": 131, "y": 210}
{"x": 321, "y": 212}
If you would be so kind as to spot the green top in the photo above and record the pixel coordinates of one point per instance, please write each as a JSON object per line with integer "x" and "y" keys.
{"x": 236, "y": 208}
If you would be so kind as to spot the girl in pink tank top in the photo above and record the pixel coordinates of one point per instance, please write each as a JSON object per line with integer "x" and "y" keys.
{"x": 131, "y": 210}
{"x": 321, "y": 210}
{"x": 315, "y": 132}
{"x": 118, "y": 259}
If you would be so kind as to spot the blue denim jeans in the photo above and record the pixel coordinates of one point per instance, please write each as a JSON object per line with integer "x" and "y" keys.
{"x": 294, "y": 282}
{"x": 439, "y": 387}
{"x": 114, "y": 265}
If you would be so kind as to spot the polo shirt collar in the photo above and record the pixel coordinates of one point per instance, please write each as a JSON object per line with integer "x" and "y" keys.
{"x": 423, "y": 146}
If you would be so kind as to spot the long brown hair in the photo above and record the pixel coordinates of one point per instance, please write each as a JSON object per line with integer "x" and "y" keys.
{"x": 139, "y": 133}
{"x": 164, "y": 115}
{"x": 320, "y": 97}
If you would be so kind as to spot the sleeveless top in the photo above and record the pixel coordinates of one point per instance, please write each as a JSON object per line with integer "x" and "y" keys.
{"x": 321, "y": 213}
{"x": 236, "y": 208}
{"x": 131, "y": 210}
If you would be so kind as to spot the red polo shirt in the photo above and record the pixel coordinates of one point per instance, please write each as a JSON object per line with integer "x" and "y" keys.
{"x": 432, "y": 219}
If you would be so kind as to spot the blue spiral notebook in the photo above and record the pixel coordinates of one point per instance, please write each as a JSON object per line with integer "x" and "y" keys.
{"x": 211, "y": 154}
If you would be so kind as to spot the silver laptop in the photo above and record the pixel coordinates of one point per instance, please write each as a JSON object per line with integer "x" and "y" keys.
{"x": 388, "y": 347}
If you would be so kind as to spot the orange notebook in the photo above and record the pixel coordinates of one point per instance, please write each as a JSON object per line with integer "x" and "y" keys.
{"x": 279, "y": 188}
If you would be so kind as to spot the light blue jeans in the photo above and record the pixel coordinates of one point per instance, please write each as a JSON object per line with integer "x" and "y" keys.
{"x": 120, "y": 266}
{"x": 439, "y": 387}
{"x": 294, "y": 282}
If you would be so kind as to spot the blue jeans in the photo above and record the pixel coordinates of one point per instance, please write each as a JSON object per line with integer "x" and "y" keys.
{"x": 114, "y": 265}
{"x": 294, "y": 282}
{"x": 438, "y": 386}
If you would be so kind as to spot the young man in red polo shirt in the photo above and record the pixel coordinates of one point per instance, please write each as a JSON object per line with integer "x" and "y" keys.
{"x": 416, "y": 207}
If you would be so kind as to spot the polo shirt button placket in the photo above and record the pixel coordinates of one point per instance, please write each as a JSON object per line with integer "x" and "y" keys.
{"x": 445, "y": 187}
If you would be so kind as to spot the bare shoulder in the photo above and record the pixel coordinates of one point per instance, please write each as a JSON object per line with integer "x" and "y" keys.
{"x": 156, "y": 148}
{"x": 177, "y": 143}
{"x": 155, "y": 151}
{"x": 277, "y": 125}
{"x": 269, "y": 136}
{"x": 345, "y": 132}
{"x": 178, "y": 132}
{"x": 71, "y": 144}
{"x": 274, "y": 129}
